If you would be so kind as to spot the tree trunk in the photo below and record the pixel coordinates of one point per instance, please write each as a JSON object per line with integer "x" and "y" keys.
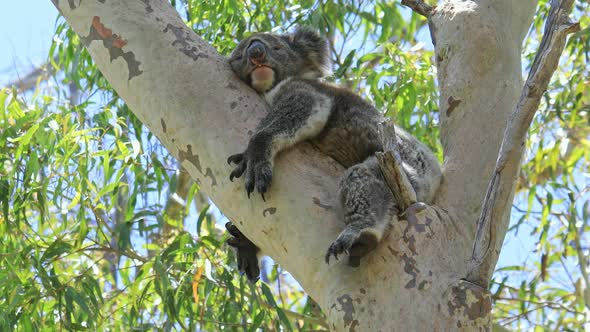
{"x": 185, "y": 92}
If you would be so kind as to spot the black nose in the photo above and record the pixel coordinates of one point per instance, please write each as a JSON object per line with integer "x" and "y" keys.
{"x": 256, "y": 51}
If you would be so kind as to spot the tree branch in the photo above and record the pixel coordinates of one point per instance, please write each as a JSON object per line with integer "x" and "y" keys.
{"x": 419, "y": 7}
{"x": 390, "y": 164}
{"x": 500, "y": 188}
{"x": 186, "y": 93}
{"x": 30, "y": 80}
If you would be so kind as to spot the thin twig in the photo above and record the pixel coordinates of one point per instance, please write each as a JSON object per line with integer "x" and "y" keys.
{"x": 296, "y": 315}
{"x": 549, "y": 304}
{"x": 557, "y": 27}
{"x": 419, "y": 7}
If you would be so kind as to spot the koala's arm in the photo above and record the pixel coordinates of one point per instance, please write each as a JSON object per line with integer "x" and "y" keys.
{"x": 297, "y": 113}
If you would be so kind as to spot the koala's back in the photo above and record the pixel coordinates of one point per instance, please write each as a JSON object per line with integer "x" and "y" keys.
{"x": 351, "y": 133}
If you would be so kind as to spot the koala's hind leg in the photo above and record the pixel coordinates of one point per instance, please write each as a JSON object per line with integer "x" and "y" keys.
{"x": 367, "y": 205}
{"x": 246, "y": 252}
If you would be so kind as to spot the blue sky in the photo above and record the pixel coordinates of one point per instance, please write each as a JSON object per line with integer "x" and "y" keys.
{"x": 26, "y": 29}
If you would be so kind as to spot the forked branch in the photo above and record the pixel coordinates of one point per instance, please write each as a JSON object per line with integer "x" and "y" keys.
{"x": 499, "y": 191}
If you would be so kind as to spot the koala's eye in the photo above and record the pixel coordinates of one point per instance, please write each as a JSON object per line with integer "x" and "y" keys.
{"x": 277, "y": 47}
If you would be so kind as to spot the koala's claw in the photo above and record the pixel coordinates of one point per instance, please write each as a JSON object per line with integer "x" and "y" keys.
{"x": 354, "y": 243}
{"x": 245, "y": 251}
{"x": 263, "y": 176}
{"x": 258, "y": 172}
{"x": 334, "y": 250}
{"x": 249, "y": 185}
{"x": 240, "y": 161}
{"x": 237, "y": 172}
{"x": 235, "y": 158}
{"x": 258, "y": 178}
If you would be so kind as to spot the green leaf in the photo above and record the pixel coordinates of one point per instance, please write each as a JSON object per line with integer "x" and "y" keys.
{"x": 268, "y": 294}
{"x": 257, "y": 321}
{"x": 26, "y": 138}
{"x": 202, "y": 216}
{"x": 57, "y": 248}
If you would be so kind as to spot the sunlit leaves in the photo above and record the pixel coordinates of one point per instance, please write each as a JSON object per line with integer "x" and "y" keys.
{"x": 89, "y": 241}
{"x": 552, "y": 211}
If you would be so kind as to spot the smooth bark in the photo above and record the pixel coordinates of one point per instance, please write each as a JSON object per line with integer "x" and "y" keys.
{"x": 187, "y": 95}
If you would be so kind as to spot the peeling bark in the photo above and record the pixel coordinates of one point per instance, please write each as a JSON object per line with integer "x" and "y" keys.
{"x": 187, "y": 95}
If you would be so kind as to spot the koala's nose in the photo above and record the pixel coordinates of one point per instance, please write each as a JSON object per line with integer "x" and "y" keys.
{"x": 256, "y": 52}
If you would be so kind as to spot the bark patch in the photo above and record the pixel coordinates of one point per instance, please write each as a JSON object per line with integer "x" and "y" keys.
{"x": 114, "y": 44}
{"x": 411, "y": 269}
{"x": 270, "y": 211}
{"x": 192, "y": 158}
{"x": 209, "y": 173}
{"x": 163, "y": 125}
{"x": 185, "y": 42}
{"x": 317, "y": 202}
{"x": 416, "y": 226}
{"x": 468, "y": 303}
{"x": 347, "y": 307}
{"x": 72, "y": 4}
{"x": 453, "y": 103}
{"x": 148, "y": 7}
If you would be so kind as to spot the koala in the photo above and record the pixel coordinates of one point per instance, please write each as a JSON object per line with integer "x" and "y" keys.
{"x": 286, "y": 70}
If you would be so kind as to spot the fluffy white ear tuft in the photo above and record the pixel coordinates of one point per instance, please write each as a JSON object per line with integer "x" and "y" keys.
{"x": 315, "y": 49}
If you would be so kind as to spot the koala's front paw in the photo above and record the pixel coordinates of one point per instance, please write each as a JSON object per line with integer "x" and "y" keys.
{"x": 258, "y": 172}
{"x": 246, "y": 252}
{"x": 356, "y": 243}
{"x": 259, "y": 175}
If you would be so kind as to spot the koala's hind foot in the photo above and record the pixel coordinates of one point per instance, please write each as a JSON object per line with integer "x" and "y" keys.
{"x": 246, "y": 252}
{"x": 354, "y": 242}
{"x": 368, "y": 205}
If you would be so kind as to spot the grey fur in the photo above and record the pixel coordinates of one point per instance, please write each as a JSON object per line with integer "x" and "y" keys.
{"x": 338, "y": 122}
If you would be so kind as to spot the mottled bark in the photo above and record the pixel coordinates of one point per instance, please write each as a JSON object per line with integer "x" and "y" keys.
{"x": 185, "y": 93}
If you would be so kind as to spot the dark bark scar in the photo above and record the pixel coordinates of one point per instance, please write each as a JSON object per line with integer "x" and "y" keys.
{"x": 163, "y": 125}
{"x": 416, "y": 226}
{"x": 209, "y": 173}
{"x": 185, "y": 42}
{"x": 317, "y": 202}
{"x": 192, "y": 158}
{"x": 195, "y": 160}
{"x": 347, "y": 307}
{"x": 411, "y": 269}
{"x": 469, "y": 302}
{"x": 453, "y": 103}
{"x": 148, "y": 7}
{"x": 114, "y": 44}
{"x": 270, "y": 211}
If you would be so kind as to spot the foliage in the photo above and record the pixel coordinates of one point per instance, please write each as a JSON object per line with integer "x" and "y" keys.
{"x": 549, "y": 289}
{"x": 101, "y": 230}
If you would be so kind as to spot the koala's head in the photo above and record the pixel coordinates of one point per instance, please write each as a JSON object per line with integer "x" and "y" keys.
{"x": 263, "y": 59}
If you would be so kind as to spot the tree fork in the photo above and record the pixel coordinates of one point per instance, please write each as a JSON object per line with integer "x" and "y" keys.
{"x": 185, "y": 92}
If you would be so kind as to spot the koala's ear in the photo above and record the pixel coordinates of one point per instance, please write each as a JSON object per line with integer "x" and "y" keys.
{"x": 314, "y": 48}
